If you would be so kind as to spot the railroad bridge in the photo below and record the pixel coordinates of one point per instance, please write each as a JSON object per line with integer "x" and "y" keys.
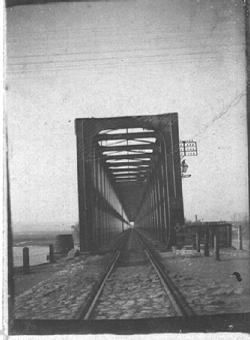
{"x": 129, "y": 174}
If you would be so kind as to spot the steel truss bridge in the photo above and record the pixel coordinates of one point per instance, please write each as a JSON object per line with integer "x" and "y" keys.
{"x": 129, "y": 174}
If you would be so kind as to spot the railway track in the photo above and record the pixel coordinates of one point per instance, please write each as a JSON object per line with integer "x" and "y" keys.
{"x": 135, "y": 286}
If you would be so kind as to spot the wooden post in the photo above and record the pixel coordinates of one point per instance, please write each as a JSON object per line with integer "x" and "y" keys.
{"x": 51, "y": 253}
{"x": 26, "y": 262}
{"x": 240, "y": 237}
{"x": 206, "y": 245}
{"x": 211, "y": 233}
{"x": 198, "y": 241}
{"x": 230, "y": 235}
{"x": 216, "y": 246}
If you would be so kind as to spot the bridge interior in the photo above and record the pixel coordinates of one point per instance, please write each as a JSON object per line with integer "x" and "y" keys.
{"x": 128, "y": 173}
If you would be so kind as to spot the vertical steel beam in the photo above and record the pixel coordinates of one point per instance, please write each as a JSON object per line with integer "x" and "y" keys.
{"x": 156, "y": 208}
{"x": 89, "y": 192}
{"x": 163, "y": 203}
{"x": 152, "y": 206}
{"x": 165, "y": 176}
{"x": 95, "y": 209}
{"x": 102, "y": 208}
{"x": 81, "y": 185}
{"x": 172, "y": 176}
{"x": 160, "y": 207}
{"x": 105, "y": 212}
{"x": 151, "y": 209}
{"x": 99, "y": 204}
{"x": 108, "y": 198}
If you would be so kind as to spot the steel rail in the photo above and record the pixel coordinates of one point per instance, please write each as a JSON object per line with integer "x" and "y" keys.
{"x": 181, "y": 306}
{"x": 170, "y": 296}
{"x": 93, "y": 304}
{"x": 87, "y": 310}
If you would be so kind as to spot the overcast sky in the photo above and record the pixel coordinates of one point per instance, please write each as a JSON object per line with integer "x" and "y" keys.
{"x": 103, "y": 59}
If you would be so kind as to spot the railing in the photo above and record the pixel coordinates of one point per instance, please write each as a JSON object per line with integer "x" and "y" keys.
{"x": 211, "y": 236}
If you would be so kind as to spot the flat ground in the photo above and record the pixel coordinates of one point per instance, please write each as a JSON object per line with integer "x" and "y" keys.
{"x": 207, "y": 284}
{"x": 37, "y": 274}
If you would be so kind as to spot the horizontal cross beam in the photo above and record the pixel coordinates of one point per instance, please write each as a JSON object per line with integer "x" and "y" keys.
{"x": 129, "y": 147}
{"x": 125, "y": 171}
{"x": 143, "y": 155}
{"x": 130, "y": 164}
{"x": 133, "y": 181}
{"x": 129, "y": 175}
{"x": 126, "y": 136}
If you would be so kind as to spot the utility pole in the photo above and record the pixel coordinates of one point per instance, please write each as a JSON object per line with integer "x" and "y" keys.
{"x": 187, "y": 148}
